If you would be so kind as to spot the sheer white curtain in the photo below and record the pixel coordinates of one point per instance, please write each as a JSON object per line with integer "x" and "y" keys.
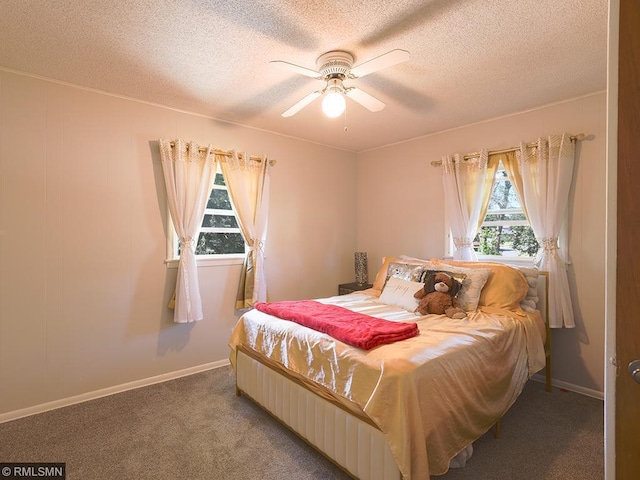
{"x": 248, "y": 183}
{"x": 467, "y": 188}
{"x": 188, "y": 177}
{"x": 547, "y": 171}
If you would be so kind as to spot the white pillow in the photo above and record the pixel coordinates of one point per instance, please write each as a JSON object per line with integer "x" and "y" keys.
{"x": 400, "y": 292}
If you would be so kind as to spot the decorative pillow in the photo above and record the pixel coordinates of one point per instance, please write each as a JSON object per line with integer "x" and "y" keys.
{"x": 472, "y": 279}
{"x": 404, "y": 271}
{"x": 425, "y": 273}
{"x": 381, "y": 276}
{"x": 400, "y": 292}
{"x": 505, "y": 287}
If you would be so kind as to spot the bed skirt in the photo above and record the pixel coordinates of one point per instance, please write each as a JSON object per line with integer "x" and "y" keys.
{"x": 353, "y": 444}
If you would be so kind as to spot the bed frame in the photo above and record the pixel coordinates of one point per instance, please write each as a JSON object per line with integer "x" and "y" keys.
{"x": 349, "y": 440}
{"x": 352, "y": 442}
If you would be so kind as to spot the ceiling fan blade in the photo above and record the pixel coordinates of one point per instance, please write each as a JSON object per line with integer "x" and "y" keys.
{"x": 363, "y": 98}
{"x": 295, "y": 68}
{"x": 383, "y": 61}
{"x": 302, "y": 103}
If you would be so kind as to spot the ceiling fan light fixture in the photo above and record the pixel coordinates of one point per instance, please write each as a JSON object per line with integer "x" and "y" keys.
{"x": 333, "y": 104}
{"x": 334, "y": 67}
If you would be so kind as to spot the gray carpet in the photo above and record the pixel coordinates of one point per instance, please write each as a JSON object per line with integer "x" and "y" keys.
{"x": 196, "y": 428}
{"x": 544, "y": 436}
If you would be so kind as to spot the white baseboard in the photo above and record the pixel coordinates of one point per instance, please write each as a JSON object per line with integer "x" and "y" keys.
{"x": 570, "y": 386}
{"x": 64, "y": 402}
{"x": 84, "y": 397}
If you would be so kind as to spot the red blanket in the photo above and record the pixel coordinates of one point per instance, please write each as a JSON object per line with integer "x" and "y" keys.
{"x": 350, "y": 327}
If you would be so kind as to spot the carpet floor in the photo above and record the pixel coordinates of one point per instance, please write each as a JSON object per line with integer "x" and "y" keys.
{"x": 195, "y": 428}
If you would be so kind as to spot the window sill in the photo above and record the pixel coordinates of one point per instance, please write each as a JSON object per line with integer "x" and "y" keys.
{"x": 515, "y": 261}
{"x": 218, "y": 261}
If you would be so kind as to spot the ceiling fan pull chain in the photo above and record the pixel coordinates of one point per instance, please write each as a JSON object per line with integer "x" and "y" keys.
{"x": 345, "y": 119}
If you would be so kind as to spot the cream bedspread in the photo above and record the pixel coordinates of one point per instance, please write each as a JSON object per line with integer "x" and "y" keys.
{"x": 431, "y": 395}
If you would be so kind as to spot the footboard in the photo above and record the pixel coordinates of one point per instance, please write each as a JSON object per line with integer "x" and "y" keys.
{"x": 356, "y": 446}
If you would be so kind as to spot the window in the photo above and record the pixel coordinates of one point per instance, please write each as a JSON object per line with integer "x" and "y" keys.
{"x": 505, "y": 230}
{"x": 220, "y": 234}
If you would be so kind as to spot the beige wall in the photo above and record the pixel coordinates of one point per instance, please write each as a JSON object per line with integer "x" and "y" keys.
{"x": 400, "y": 211}
{"x": 83, "y": 284}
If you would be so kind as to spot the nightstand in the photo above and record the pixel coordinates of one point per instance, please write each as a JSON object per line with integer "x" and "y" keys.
{"x": 345, "y": 288}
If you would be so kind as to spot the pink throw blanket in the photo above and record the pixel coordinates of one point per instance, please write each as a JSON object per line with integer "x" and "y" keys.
{"x": 350, "y": 327}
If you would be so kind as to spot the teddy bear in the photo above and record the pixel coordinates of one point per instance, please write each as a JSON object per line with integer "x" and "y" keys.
{"x": 439, "y": 296}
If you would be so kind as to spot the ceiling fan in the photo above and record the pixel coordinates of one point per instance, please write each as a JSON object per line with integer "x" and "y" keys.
{"x": 334, "y": 67}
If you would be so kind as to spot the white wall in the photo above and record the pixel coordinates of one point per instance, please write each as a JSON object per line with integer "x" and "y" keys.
{"x": 400, "y": 211}
{"x": 83, "y": 284}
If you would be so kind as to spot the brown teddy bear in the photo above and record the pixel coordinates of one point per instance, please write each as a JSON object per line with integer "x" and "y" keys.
{"x": 439, "y": 296}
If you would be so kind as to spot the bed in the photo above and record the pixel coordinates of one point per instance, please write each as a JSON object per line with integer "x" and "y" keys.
{"x": 408, "y": 409}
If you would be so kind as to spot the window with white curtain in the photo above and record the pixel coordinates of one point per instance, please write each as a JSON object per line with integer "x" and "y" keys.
{"x": 219, "y": 237}
{"x": 505, "y": 235}
{"x": 505, "y": 231}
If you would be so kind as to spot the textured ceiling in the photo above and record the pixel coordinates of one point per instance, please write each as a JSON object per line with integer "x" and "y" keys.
{"x": 470, "y": 60}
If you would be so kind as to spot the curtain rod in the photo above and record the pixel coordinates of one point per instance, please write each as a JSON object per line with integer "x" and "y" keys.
{"x": 215, "y": 151}
{"x": 438, "y": 163}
